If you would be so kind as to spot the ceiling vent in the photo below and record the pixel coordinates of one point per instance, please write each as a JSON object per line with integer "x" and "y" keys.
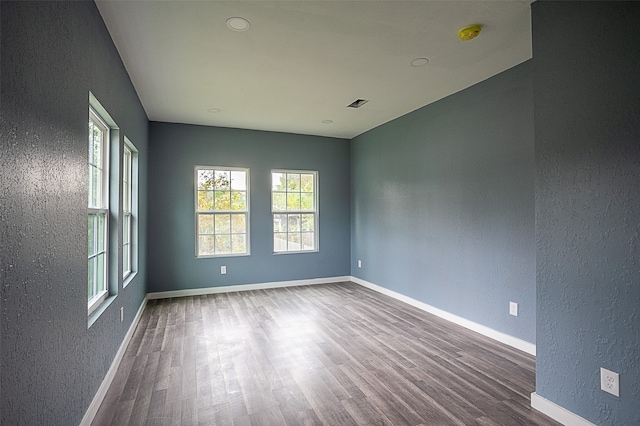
{"x": 357, "y": 103}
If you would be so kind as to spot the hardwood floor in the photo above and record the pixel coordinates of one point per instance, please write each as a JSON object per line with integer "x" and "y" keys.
{"x": 335, "y": 354}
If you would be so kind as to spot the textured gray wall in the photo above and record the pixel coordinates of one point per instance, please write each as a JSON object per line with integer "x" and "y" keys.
{"x": 176, "y": 149}
{"x": 53, "y": 54}
{"x": 587, "y": 141}
{"x": 443, "y": 204}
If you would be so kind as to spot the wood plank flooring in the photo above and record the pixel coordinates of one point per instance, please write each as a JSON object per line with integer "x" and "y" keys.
{"x": 335, "y": 354}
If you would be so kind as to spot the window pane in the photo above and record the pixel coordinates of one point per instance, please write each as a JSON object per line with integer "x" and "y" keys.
{"x": 222, "y": 180}
{"x": 205, "y": 179}
{"x": 239, "y": 243}
{"x": 278, "y": 181}
{"x": 126, "y": 180}
{"x": 238, "y": 200}
{"x": 125, "y": 259}
{"x": 205, "y": 224}
{"x": 100, "y": 263}
{"x": 92, "y": 241}
{"x": 279, "y": 201}
{"x": 205, "y": 244}
{"x": 279, "y": 242}
{"x": 101, "y": 230}
{"x": 126, "y": 198}
{"x": 91, "y": 278}
{"x": 307, "y": 241}
{"x": 126, "y": 232}
{"x": 222, "y": 200}
{"x": 293, "y": 222}
{"x": 293, "y": 182}
{"x": 95, "y": 146}
{"x": 307, "y": 222}
{"x": 279, "y": 223}
{"x": 238, "y": 224}
{"x": 95, "y": 187}
{"x": 293, "y": 241}
{"x": 306, "y": 201}
{"x": 223, "y": 244}
{"x": 222, "y": 224}
{"x": 91, "y": 127}
{"x": 205, "y": 200}
{"x": 306, "y": 182}
{"x": 239, "y": 180}
{"x": 293, "y": 201}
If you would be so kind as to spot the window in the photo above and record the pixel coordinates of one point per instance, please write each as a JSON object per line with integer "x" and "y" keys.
{"x": 129, "y": 208}
{"x": 222, "y": 211}
{"x": 294, "y": 205}
{"x": 98, "y": 203}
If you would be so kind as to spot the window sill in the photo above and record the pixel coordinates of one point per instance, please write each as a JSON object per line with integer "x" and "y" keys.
{"x": 129, "y": 278}
{"x": 103, "y": 307}
{"x": 218, "y": 256}
{"x": 278, "y": 253}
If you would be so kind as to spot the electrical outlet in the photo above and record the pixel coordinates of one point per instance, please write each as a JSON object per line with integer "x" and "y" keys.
{"x": 359, "y": 263}
{"x": 609, "y": 382}
{"x": 223, "y": 270}
{"x": 121, "y": 313}
{"x": 513, "y": 309}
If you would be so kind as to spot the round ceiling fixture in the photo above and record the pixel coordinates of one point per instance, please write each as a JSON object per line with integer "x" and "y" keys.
{"x": 237, "y": 23}
{"x": 469, "y": 33}
{"x": 327, "y": 121}
{"x": 419, "y": 62}
{"x": 214, "y": 110}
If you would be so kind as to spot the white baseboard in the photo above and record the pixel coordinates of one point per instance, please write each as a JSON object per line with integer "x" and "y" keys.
{"x": 557, "y": 412}
{"x": 244, "y": 287}
{"x": 515, "y": 342}
{"x": 106, "y": 382}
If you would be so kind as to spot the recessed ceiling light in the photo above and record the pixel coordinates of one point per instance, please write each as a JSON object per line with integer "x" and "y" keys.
{"x": 238, "y": 24}
{"x": 419, "y": 62}
{"x": 327, "y": 121}
{"x": 214, "y": 110}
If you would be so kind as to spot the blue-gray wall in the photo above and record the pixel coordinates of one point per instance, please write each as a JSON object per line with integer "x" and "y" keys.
{"x": 177, "y": 148}
{"x": 587, "y": 139}
{"x": 443, "y": 204}
{"x": 53, "y": 54}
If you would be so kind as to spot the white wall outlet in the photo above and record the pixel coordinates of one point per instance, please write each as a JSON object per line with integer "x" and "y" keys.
{"x": 609, "y": 382}
{"x": 359, "y": 263}
{"x": 223, "y": 270}
{"x": 513, "y": 309}
{"x": 121, "y": 313}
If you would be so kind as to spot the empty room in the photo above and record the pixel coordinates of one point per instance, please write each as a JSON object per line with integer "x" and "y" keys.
{"x": 320, "y": 212}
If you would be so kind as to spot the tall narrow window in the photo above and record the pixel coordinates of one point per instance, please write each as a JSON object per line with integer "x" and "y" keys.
{"x": 294, "y": 205}
{"x": 129, "y": 208}
{"x": 222, "y": 211}
{"x": 98, "y": 212}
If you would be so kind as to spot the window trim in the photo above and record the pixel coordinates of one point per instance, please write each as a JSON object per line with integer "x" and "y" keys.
{"x": 246, "y": 211}
{"x": 102, "y": 209}
{"x": 130, "y": 169}
{"x": 315, "y": 212}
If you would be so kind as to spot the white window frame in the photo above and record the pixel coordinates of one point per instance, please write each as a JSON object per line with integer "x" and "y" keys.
{"x": 129, "y": 209}
{"x": 98, "y": 285}
{"x": 277, "y": 229}
{"x": 200, "y": 212}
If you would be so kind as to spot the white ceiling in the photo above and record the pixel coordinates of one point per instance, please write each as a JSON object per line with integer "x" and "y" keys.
{"x": 302, "y": 62}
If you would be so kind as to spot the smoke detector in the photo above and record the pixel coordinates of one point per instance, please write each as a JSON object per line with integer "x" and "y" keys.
{"x": 469, "y": 33}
